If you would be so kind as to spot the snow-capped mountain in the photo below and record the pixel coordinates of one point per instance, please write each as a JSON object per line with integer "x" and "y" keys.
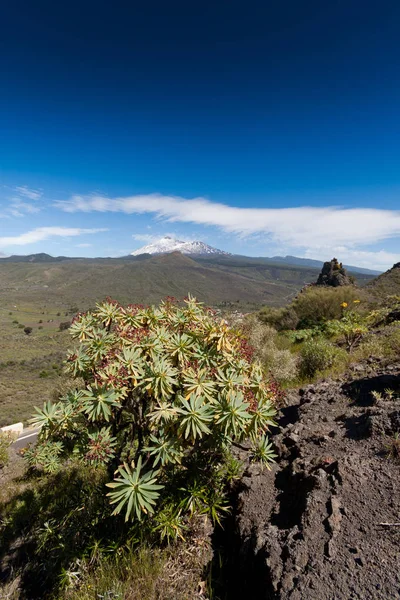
{"x": 168, "y": 244}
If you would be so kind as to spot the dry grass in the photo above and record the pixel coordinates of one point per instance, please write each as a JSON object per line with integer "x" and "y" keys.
{"x": 144, "y": 573}
{"x": 393, "y": 447}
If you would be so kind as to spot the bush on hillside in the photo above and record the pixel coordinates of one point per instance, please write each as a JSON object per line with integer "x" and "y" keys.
{"x": 351, "y": 327}
{"x": 279, "y": 318}
{"x": 167, "y": 391}
{"x": 278, "y": 361}
{"x": 316, "y": 305}
{"x": 382, "y": 344}
{"x": 318, "y": 355}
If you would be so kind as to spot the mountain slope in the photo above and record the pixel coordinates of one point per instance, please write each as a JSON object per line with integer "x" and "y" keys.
{"x": 168, "y": 244}
{"x": 387, "y": 284}
{"x": 216, "y": 280}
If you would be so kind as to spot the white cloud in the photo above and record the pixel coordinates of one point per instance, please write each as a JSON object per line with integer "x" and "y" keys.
{"x": 44, "y": 233}
{"x": 26, "y": 192}
{"x": 301, "y": 227}
{"x": 18, "y": 208}
{"x": 379, "y": 260}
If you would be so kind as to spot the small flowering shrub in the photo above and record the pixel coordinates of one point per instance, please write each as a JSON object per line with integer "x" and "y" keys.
{"x": 352, "y": 326}
{"x": 166, "y": 393}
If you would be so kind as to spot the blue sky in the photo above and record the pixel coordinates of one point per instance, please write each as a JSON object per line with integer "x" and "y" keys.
{"x": 261, "y": 128}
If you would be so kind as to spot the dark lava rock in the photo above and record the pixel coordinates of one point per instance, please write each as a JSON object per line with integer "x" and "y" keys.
{"x": 311, "y": 528}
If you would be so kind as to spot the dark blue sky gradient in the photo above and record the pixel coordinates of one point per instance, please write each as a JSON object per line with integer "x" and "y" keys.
{"x": 259, "y": 102}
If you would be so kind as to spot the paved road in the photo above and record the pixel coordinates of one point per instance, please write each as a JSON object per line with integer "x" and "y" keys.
{"x": 27, "y": 437}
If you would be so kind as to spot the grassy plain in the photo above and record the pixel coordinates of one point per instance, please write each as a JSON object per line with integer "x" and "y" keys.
{"x": 30, "y": 365}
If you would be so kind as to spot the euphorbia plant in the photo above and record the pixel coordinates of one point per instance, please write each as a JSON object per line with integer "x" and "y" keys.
{"x": 166, "y": 392}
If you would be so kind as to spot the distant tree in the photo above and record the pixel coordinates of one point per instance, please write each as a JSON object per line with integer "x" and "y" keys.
{"x": 28, "y": 330}
{"x": 64, "y": 325}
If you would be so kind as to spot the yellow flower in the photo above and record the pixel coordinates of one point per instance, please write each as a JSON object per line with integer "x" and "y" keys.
{"x": 344, "y": 305}
{"x": 356, "y": 301}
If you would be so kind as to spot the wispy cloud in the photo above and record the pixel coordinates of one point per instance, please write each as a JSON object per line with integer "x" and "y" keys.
{"x": 44, "y": 233}
{"x": 26, "y": 192}
{"x": 380, "y": 259}
{"x": 17, "y": 208}
{"x": 300, "y": 227}
{"x": 16, "y": 205}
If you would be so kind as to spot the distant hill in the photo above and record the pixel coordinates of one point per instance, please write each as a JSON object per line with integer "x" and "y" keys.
{"x": 318, "y": 264}
{"x": 387, "y": 284}
{"x": 216, "y": 279}
{"x": 197, "y": 250}
{"x": 40, "y": 257}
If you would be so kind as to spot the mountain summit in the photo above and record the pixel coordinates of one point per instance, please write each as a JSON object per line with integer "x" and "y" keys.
{"x": 168, "y": 244}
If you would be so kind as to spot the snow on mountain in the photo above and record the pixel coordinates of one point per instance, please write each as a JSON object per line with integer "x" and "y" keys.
{"x": 168, "y": 244}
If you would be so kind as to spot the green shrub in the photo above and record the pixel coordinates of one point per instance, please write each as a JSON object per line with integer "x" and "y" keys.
{"x": 264, "y": 339}
{"x": 384, "y": 344}
{"x": 167, "y": 391}
{"x": 351, "y": 327}
{"x": 279, "y": 318}
{"x": 318, "y": 355}
{"x": 319, "y": 304}
{"x": 6, "y": 439}
{"x": 371, "y": 346}
{"x": 393, "y": 341}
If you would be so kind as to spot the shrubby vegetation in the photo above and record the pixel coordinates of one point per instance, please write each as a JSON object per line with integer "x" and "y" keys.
{"x": 270, "y": 350}
{"x": 326, "y": 328}
{"x": 317, "y": 305}
{"x": 6, "y": 439}
{"x": 167, "y": 391}
{"x": 318, "y": 355}
{"x": 161, "y": 397}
